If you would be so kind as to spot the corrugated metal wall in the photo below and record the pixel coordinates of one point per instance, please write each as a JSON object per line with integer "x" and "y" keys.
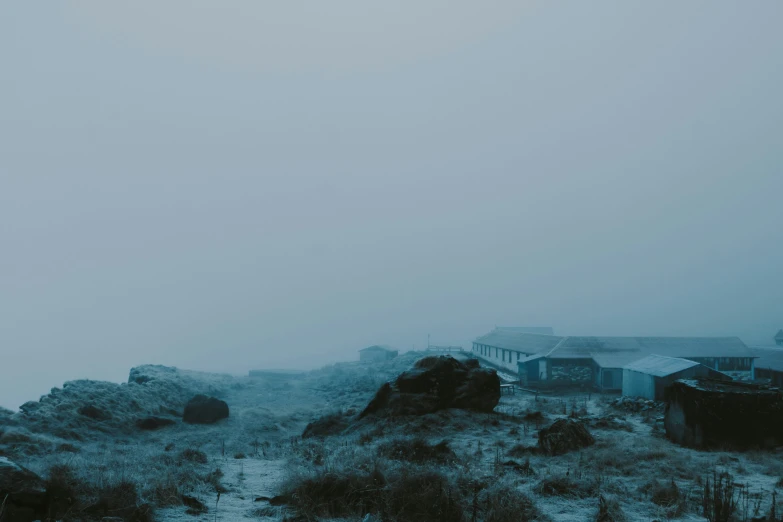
{"x": 636, "y": 384}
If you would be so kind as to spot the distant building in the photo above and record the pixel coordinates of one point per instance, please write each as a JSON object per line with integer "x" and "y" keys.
{"x": 377, "y": 353}
{"x": 649, "y": 376}
{"x": 779, "y": 338}
{"x": 597, "y": 362}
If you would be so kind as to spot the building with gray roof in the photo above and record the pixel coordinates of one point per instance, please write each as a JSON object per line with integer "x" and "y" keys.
{"x": 598, "y": 361}
{"x": 649, "y": 376}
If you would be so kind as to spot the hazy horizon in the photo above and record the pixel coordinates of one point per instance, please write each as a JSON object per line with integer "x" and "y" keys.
{"x": 241, "y": 185}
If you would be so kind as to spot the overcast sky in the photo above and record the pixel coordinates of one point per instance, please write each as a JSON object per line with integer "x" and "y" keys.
{"x": 229, "y": 185}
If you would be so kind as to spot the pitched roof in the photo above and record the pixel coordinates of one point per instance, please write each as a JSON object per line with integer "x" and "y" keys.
{"x": 779, "y": 335}
{"x": 660, "y": 366}
{"x": 540, "y": 330}
{"x": 378, "y": 347}
{"x": 769, "y": 358}
{"x": 688, "y": 347}
{"x": 616, "y": 360}
{"x": 507, "y": 339}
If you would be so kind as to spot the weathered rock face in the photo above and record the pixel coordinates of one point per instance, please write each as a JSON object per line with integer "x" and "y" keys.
{"x": 563, "y": 436}
{"x": 26, "y": 493}
{"x": 436, "y": 383}
{"x": 205, "y": 410}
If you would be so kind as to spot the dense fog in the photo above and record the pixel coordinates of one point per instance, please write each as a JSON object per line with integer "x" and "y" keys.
{"x": 231, "y": 186}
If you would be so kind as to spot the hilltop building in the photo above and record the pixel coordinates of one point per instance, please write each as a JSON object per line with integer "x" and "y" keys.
{"x": 598, "y": 362}
{"x": 779, "y": 338}
{"x": 377, "y": 353}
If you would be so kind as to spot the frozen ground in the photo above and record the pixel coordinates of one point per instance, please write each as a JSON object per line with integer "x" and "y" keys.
{"x": 258, "y": 450}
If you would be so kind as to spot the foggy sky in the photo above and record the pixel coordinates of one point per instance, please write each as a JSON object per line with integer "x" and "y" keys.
{"x": 229, "y": 185}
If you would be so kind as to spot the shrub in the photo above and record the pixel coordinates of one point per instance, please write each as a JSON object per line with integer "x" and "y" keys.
{"x": 193, "y": 455}
{"x": 520, "y": 450}
{"x": 331, "y": 424}
{"x": 566, "y": 487}
{"x": 239, "y": 455}
{"x": 718, "y": 500}
{"x": 609, "y": 511}
{"x": 503, "y": 503}
{"x": 407, "y": 496}
{"x": 417, "y": 450}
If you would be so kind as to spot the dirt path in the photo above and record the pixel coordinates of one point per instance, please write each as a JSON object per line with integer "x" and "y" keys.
{"x": 246, "y": 480}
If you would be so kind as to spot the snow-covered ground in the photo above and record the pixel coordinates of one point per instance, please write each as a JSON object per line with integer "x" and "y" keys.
{"x": 254, "y": 452}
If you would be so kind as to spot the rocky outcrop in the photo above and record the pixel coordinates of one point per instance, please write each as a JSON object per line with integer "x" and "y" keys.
{"x": 436, "y": 383}
{"x": 563, "y": 436}
{"x": 205, "y": 410}
{"x": 24, "y": 493}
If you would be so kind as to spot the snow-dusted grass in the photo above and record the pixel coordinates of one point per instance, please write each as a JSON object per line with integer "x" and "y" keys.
{"x": 491, "y": 467}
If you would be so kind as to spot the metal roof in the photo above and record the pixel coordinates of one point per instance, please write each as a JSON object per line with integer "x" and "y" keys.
{"x": 507, "y": 339}
{"x": 689, "y": 347}
{"x": 769, "y": 358}
{"x": 379, "y": 347}
{"x": 660, "y": 366}
{"x": 540, "y": 330}
{"x": 616, "y": 360}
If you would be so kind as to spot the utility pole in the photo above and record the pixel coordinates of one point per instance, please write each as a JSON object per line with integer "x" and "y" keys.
{"x": 428, "y": 342}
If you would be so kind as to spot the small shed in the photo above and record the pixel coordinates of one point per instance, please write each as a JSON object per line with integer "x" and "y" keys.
{"x": 649, "y": 376}
{"x": 377, "y": 353}
{"x": 779, "y": 338}
{"x": 705, "y": 413}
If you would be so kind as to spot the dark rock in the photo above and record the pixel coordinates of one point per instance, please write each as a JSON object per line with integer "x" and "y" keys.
{"x": 436, "y": 383}
{"x": 95, "y": 413}
{"x": 205, "y": 410}
{"x": 194, "y": 505}
{"x": 153, "y": 423}
{"x": 563, "y": 436}
{"x": 24, "y": 493}
{"x": 332, "y": 424}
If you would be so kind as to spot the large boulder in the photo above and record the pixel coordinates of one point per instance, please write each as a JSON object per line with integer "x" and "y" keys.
{"x": 563, "y": 436}
{"x": 24, "y": 493}
{"x": 205, "y": 410}
{"x": 436, "y": 383}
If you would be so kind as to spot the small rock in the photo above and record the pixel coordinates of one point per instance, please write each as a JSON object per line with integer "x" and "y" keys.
{"x": 205, "y": 410}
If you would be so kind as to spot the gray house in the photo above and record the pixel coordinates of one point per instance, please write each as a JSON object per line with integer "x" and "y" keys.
{"x": 649, "y": 376}
{"x": 377, "y": 353}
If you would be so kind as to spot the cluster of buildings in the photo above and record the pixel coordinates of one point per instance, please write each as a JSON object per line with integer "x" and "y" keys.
{"x": 636, "y": 366}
